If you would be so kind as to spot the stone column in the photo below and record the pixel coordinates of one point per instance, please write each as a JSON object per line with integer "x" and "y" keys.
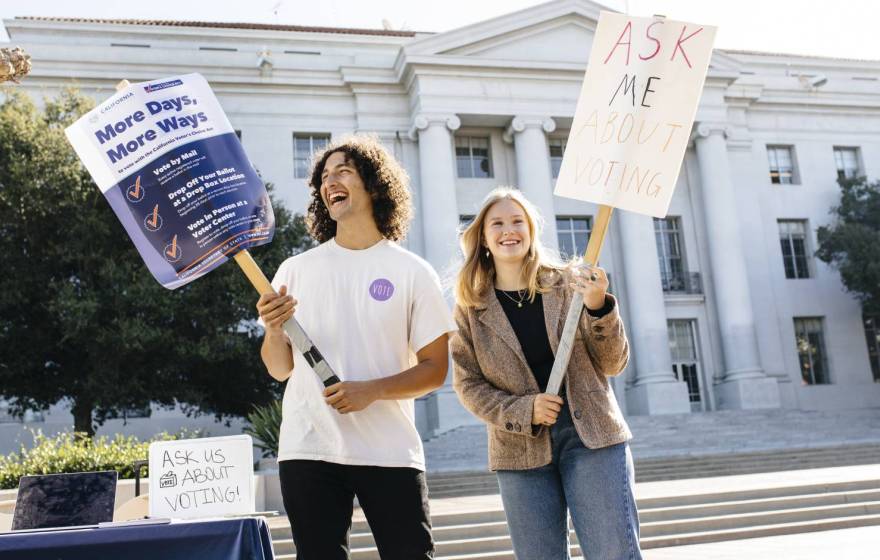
{"x": 437, "y": 187}
{"x": 655, "y": 389}
{"x": 534, "y": 178}
{"x": 440, "y": 410}
{"x": 744, "y": 385}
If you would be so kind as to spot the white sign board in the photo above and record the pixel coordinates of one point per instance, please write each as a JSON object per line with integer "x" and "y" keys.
{"x": 205, "y": 477}
{"x": 635, "y": 112}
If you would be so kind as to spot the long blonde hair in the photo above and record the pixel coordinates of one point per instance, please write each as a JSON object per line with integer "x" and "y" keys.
{"x": 477, "y": 275}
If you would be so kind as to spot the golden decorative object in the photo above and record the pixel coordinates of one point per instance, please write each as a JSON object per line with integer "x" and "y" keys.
{"x": 14, "y": 64}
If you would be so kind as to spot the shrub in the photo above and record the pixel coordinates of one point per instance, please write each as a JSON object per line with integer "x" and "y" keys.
{"x": 265, "y": 425}
{"x": 76, "y": 452}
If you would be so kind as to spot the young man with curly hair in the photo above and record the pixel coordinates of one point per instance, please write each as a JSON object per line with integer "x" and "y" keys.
{"x": 377, "y": 313}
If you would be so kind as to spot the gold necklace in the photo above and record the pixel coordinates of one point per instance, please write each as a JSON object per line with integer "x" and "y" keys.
{"x": 519, "y": 301}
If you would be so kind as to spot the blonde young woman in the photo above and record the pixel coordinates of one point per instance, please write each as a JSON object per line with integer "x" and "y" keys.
{"x": 552, "y": 454}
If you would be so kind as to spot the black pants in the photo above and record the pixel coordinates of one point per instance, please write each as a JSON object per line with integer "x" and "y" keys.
{"x": 319, "y": 496}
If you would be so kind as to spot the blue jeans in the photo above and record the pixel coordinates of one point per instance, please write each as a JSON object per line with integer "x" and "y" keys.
{"x": 595, "y": 485}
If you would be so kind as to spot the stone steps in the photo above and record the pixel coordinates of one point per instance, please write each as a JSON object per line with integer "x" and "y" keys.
{"x": 667, "y": 520}
{"x": 681, "y": 467}
{"x": 754, "y": 532}
{"x": 765, "y": 517}
{"x": 676, "y": 472}
{"x": 800, "y": 502}
{"x": 761, "y": 531}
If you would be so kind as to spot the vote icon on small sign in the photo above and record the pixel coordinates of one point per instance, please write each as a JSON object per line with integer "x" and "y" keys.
{"x": 168, "y": 480}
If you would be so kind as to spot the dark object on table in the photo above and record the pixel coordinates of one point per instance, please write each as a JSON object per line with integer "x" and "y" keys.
{"x": 64, "y": 500}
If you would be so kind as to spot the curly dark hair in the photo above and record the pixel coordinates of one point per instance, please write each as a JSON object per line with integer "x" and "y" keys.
{"x": 384, "y": 179}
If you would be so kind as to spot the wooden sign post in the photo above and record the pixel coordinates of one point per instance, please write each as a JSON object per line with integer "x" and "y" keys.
{"x": 294, "y": 330}
{"x": 573, "y": 318}
{"x": 631, "y": 128}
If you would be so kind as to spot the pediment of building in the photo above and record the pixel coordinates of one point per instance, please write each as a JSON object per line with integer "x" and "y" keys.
{"x": 558, "y": 31}
{"x": 565, "y": 39}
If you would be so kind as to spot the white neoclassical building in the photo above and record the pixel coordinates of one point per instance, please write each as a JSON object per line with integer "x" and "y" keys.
{"x": 724, "y": 303}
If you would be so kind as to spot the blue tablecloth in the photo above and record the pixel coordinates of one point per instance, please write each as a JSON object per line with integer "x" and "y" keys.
{"x": 224, "y": 539}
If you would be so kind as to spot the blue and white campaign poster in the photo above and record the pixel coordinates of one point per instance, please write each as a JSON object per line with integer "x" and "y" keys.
{"x": 166, "y": 158}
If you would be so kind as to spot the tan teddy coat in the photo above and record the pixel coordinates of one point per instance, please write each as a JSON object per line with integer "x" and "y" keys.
{"x": 494, "y": 381}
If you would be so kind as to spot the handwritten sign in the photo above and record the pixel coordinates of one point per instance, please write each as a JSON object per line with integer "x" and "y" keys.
{"x": 635, "y": 112}
{"x": 205, "y": 477}
{"x": 174, "y": 172}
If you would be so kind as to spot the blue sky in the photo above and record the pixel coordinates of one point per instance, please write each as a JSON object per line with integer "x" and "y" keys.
{"x": 838, "y": 28}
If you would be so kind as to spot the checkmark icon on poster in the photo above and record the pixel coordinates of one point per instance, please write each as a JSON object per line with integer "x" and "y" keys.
{"x": 172, "y": 251}
{"x": 153, "y": 221}
{"x": 135, "y": 193}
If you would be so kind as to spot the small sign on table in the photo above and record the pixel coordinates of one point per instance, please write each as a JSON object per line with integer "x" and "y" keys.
{"x": 207, "y": 477}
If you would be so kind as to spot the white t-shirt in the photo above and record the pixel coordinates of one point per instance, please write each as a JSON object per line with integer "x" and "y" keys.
{"x": 368, "y": 312}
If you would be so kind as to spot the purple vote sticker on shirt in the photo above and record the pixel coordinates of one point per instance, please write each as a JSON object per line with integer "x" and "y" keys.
{"x": 381, "y": 289}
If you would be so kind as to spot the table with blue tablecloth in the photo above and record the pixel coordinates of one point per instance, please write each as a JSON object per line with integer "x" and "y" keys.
{"x": 216, "y": 539}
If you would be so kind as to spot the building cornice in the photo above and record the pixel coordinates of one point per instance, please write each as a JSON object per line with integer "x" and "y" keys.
{"x": 256, "y": 35}
{"x": 392, "y": 64}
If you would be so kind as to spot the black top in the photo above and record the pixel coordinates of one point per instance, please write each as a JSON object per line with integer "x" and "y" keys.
{"x": 528, "y": 324}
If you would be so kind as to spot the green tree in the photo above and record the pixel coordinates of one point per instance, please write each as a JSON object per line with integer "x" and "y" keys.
{"x": 82, "y": 319}
{"x": 852, "y": 243}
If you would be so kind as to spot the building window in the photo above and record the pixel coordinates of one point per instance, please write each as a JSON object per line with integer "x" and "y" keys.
{"x": 810, "y": 338}
{"x": 686, "y": 357}
{"x": 793, "y": 238}
{"x": 781, "y": 165}
{"x": 304, "y": 145}
{"x": 872, "y": 334}
{"x": 670, "y": 252}
{"x": 557, "y": 150}
{"x": 472, "y": 157}
{"x": 847, "y": 162}
{"x": 573, "y": 233}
